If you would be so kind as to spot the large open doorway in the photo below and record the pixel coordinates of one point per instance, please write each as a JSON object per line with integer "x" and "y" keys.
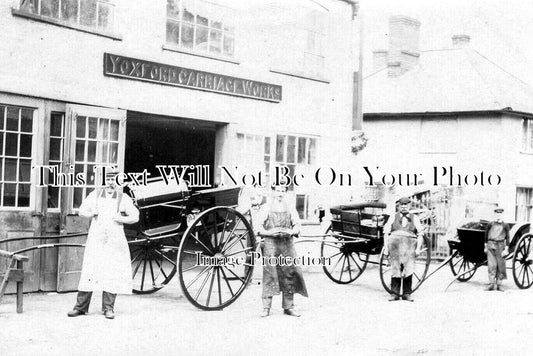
{"x": 162, "y": 140}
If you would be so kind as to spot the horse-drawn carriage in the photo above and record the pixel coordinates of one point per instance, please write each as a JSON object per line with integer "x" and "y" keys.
{"x": 356, "y": 234}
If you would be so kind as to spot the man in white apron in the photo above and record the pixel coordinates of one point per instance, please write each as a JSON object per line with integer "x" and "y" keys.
{"x": 403, "y": 239}
{"x": 106, "y": 261}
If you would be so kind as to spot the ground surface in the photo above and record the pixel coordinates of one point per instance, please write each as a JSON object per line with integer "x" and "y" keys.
{"x": 336, "y": 319}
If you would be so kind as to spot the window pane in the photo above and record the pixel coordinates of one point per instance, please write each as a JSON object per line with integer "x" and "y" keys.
{"x": 80, "y": 151}
{"x": 229, "y": 45}
{"x": 102, "y": 157}
{"x": 267, "y": 145}
{"x": 188, "y": 16}
{"x": 29, "y": 6}
{"x": 93, "y": 123}
{"x": 173, "y": 32}
{"x": 187, "y": 35}
{"x": 311, "y": 158}
{"x": 104, "y": 129}
{"x": 201, "y": 38}
{"x": 88, "y": 13}
{"x": 56, "y": 125}
{"x": 55, "y": 149}
{"x": 105, "y": 16}
{"x": 90, "y": 174}
{"x": 25, "y": 170}
{"x": 2, "y": 143}
{"x": 173, "y": 9}
{"x": 280, "y": 148}
{"x": 200, "y": 20}
{"x": 12, "y": 119}
{"x": 11, "y": 144}
{"x": 53, "y": 197}
{"x": 25, "y": 146}
{"x": 50, "y": 8}
{"x": 114, "y": 130}
{"x": 2, "y": 114}
{"x": 215, "y": 41}
{"x": 78, "y": 195}
{"x": 9, "y": 194}
{"x": 80, "y": 126}
{"x": 1, "y": 172}
{"x": 301, "y": 150}
{"x": 26, "y": 117}
{"x": 291, "y": 149}
{"x": 10, "y": 175}
{"x": 113, "y": 153}
{"x": 69, "y": 11}
{"x": 91, "y": 151}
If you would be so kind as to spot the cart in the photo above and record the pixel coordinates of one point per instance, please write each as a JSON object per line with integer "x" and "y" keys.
{"x": 467, "y": 252}
{"x": 355, "y": 239}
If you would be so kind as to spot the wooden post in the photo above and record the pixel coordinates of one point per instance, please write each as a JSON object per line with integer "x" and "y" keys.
{"x": 20, "y": 287}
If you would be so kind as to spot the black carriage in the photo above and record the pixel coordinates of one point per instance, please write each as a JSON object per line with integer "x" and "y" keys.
{"x": 467, "y": 252}
{"x": 198, "y": 235}
{"x": 356, "y": 234}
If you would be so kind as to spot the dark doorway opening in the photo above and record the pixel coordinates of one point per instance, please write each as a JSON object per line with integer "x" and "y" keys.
{"x": 161, "y": 140}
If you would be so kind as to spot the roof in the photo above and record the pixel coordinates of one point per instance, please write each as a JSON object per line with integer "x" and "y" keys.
{"x": 447, "y": 80}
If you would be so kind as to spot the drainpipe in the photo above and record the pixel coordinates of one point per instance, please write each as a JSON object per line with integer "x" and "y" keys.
{"x": 358, "y": 138}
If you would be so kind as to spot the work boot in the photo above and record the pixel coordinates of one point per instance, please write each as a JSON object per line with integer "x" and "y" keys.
{"x": 407, "y": 297}
{"x": 290, "y": 312}
{"x": 490, "y": 287}
{"x": 499, "y": 287}
{"x": 109, "y": 314}
{"x": 75, "y": 312}
{"x": 394, "y": 298}
{"x": 265, "y": 313}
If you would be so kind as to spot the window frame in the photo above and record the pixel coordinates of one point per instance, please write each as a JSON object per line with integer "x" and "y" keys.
{"x": 527, "y": 135}
{"x": 18, "y": 12}
{"x": 529, "y": 208}
{"x": 32, "y": 158}
{"x": 178, "y": 47}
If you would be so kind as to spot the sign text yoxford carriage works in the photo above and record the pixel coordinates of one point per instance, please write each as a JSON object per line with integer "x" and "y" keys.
{"x": 131, "y": 68}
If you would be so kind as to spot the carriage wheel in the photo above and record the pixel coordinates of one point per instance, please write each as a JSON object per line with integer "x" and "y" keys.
{"x": 215, "y": 259}
{"x": 522, "y": 262}
{"x": 345, "y": 265}
{"x": 459, "y": 265}
{"x": 421, "y": 268}
{"x": 153, "y": 264}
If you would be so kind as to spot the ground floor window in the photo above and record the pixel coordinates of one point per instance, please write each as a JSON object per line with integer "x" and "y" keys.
{"x": 524, "y": 204}
{"x": 57, "y": 141}
{"x": 16, "y": 142}
{"x": 302, "y": 206}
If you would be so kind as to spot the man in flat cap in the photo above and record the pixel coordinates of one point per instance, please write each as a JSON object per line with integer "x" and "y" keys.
{"x": 496, "y": 242}
{"x": 403, "y": 240}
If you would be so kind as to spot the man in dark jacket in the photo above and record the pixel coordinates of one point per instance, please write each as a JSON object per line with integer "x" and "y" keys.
{"x": 496, "y": 242}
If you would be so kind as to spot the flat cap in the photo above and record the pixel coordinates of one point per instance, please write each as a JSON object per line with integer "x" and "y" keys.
{"x": 404, "y": 200}
{"x": 498, "y": 210}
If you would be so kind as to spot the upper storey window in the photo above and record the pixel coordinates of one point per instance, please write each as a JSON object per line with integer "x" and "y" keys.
{"x": 201, "y": 26}
{"x": 92, "y": 15}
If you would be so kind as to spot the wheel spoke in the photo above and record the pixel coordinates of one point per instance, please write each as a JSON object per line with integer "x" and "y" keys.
{"x": 160, "y": 265}
{"x": 342, "y": 268}
{"x": 197, "y": 276}
{"x": 233, "y": 273}
{"x": 144, "y": 271}
{"x": 349, "y": 268}
{"x": 239, "y": 251}
{"x": 227, "y": 282}
{"x": 336, "y": 264}
{"x": 203, "y": 284}
{"x": 135, "y": 258}
{"x": 219, "y": 289}
{"x": 330, "y": 257}
{"x": 166, "y": 258}
{"x": 231, "y": 234}
{"x": 223, "y": 229}
{"x": 138, "y": 265}
{"x": 353, "y": 259}
{"x": 201, "y": 243}
{"x": 235, "y": 242}
{"x": 152, "y": 270}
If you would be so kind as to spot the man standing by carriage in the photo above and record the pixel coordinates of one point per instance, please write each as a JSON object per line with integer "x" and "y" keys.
{"x": 403, "y": 240}
{"x": 106, "y": 261}
{"x": 277, "y": 224}
{"x": 496, "y": 242}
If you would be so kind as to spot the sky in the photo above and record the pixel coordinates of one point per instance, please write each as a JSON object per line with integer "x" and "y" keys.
{"x": 501, "y": 30}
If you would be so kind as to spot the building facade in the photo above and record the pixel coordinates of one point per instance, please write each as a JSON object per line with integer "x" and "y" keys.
{"x": 176, "y": 82}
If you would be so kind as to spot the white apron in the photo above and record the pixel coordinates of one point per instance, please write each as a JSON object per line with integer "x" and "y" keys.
{"x": 106, "y": 261}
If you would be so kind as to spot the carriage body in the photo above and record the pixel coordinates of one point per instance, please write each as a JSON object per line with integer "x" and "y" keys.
{"x": 176, "y": 228}
{"x": 467, "y": 251}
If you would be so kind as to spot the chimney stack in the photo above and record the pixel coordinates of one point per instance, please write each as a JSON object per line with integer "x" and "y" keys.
{"x": 404, "y": 36}
{"x": 460, "y": 41}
